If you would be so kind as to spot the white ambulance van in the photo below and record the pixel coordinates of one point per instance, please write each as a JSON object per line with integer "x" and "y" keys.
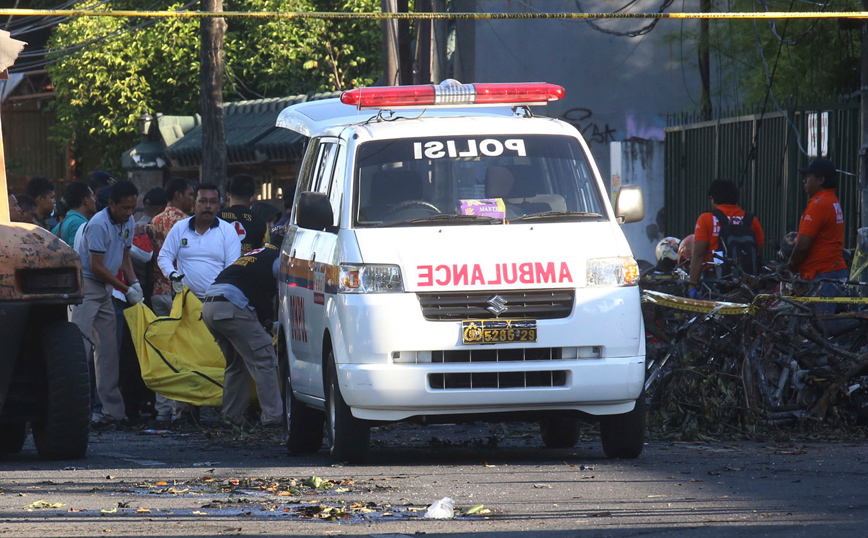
{"x": 452, "y": 257}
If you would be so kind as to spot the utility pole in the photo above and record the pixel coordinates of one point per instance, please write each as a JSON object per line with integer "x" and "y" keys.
{"x": 405, "y": 54}
{"x": 440, "y": 31}
{"x": 424, "y": 40}
{"x": 390, "y": 43}
{"x": 212, "y": 30}
{"x": 863, "y": 117}
{"x": 704, "y": 62}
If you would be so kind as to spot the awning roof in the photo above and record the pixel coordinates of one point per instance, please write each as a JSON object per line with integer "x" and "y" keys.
{"x": 251, "y": 134}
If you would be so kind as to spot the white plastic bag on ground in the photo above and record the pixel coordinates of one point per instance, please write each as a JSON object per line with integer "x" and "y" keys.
{"x": 442, "y": 509}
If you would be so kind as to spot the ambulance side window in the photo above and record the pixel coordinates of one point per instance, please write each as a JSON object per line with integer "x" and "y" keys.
{"x": 336, "y": 190}
{"x": 323, "y": 176}
{"x": 305, "y": 180}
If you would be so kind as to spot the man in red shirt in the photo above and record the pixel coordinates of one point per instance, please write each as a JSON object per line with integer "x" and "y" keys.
{"x": 819, "y": 250}
{"x": 179, "y": 196}
{"x": 724, "y": 196}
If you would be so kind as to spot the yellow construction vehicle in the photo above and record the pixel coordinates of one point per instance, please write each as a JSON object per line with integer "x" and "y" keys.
{"x": 44, "y": 382}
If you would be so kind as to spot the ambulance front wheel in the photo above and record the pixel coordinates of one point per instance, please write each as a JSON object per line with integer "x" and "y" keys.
{"x": 304, "y": 424}
{"x": 348, "y": 436}
{"x": 624, "y": 435}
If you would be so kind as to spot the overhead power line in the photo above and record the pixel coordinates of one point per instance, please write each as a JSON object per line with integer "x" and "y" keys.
{"x": 425, "y": 16}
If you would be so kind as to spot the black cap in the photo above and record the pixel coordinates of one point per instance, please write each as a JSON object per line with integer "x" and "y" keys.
{"x": 103, "y": 178}
{"x": 155, "y": 197}
{"x": 821, "y": 167}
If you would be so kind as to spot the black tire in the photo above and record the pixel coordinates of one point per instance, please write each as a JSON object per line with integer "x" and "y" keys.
{"x": 624, "y": 435}
{"x": 63, "y": 432}
{"x": 348, "y": 436}
{"x": 12, "y": 437}
{"x": 304, "y": 424}
{"x": 560, "y": 430}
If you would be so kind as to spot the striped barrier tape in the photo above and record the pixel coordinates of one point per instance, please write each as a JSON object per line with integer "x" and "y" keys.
{"x": 734, "y": 309}
{"x": 20, "y": 12}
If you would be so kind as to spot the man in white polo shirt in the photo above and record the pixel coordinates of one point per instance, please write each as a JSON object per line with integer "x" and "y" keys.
{"x": 104, "y": 247}
{"x": 194, "y": 252}
{"x": 199, "y": 247}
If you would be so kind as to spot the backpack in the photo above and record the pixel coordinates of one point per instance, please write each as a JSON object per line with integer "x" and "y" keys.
{"x": 738, "y": 242}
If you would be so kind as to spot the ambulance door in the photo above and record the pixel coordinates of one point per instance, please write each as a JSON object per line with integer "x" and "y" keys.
{"x": 299, "y": 288}
{"x": 312, "y": 258}
{"x": 323, "y": 264}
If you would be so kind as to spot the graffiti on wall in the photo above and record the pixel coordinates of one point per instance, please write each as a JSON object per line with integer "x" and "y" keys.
{"x": 582, "y": 119}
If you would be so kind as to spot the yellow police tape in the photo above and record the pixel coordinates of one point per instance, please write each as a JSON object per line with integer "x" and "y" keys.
{"x": 735, "y": 309}
{"x": 694, "y": 305}
{"x": 19, "y": 12}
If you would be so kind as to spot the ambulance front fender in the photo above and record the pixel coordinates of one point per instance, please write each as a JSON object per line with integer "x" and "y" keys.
{"x": 334, "y": 334}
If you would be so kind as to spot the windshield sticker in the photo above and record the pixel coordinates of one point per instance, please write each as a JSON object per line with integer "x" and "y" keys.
{"x": 489, "y": 147}
{"x": 496, "y": 275}
{"x": 487, "y": 207}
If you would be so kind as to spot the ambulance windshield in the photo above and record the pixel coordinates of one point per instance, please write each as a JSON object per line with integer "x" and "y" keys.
{"x": 519, "y": 178}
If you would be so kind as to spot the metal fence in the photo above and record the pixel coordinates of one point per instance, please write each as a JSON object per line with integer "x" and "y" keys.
{"x": 771, "y": 187}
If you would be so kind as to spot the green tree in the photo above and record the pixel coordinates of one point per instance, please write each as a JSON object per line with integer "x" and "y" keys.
{"x": 812, "y": 59}
{"x": 107, "y": 71}
{"x": 274, "y": 57}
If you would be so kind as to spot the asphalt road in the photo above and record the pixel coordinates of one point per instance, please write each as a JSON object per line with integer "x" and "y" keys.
{"x": 212, "y": 483}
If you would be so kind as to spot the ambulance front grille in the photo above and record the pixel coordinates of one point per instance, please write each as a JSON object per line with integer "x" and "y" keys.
{"x": 497, "y": 380}
{"x": 530, "y": 304}
{"x": 489, "y": 354}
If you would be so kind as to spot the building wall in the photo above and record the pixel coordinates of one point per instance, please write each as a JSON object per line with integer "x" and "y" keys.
{"x": 28, "y": 150}
{"x": 641, "y": 162}
{"x": 617, "y": 88}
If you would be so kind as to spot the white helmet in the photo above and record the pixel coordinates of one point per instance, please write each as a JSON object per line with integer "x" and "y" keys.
{"x": 667, "y": 248}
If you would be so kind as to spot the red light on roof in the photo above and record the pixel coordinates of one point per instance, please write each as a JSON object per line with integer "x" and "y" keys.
{"x": 453, "y": 93}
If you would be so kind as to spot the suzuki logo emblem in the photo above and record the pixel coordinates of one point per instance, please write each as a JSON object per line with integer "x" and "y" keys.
{"x": 498, "y": 305}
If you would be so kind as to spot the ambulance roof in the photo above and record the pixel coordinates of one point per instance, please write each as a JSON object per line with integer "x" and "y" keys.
{"x": 322, "y": 117}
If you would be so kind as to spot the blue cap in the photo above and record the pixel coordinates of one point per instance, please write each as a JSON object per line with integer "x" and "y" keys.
{"x": 821, "y": 167}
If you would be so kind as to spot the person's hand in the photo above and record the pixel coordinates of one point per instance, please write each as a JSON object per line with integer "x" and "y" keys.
{"x": 134, "y": 294}
{"x": 177, "y": 281}
{"x": 693, "y": 293}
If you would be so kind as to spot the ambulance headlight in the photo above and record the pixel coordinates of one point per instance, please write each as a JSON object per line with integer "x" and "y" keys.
{"x": 370, "y": 279}
{"x": 613, "y": 272}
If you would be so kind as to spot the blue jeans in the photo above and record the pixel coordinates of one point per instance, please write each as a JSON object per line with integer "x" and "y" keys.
{"x": 830, "y": 289}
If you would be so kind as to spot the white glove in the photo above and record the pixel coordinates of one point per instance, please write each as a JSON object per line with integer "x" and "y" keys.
{"x": 177, "y": 281}
{"x": 134, "y": 294}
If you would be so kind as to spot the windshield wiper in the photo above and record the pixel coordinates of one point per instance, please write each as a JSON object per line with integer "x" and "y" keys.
{"x": 558, "y": 215}
{"x": 444, "y": 217}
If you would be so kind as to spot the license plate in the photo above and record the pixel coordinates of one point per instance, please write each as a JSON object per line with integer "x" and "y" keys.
{"x": 498, "y": 331}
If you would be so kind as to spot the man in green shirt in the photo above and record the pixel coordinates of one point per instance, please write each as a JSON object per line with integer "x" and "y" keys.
{"x": 82, "y": 206}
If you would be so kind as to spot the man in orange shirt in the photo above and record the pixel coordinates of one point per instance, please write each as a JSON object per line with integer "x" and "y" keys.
{"x": 723, "y": 195}
{"x": 819, "y": 250}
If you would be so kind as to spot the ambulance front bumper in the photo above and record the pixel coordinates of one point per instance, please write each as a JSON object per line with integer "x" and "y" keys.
{"x": 395, "y": 392}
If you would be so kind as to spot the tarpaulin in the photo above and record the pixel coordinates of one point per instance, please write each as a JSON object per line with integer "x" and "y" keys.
{"x": 178, "y": 355}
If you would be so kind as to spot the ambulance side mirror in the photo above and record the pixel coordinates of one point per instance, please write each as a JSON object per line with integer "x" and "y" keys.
{"x": 314, "y": 211}
{"x": 630, "y": 204}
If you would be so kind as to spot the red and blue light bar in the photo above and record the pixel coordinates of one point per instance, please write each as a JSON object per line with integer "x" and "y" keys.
{"x": 453, "y": 93}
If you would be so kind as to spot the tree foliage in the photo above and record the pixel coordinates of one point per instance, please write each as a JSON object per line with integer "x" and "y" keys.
{"x": 107, "y": 71}
{"x": 806, "y": 60}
